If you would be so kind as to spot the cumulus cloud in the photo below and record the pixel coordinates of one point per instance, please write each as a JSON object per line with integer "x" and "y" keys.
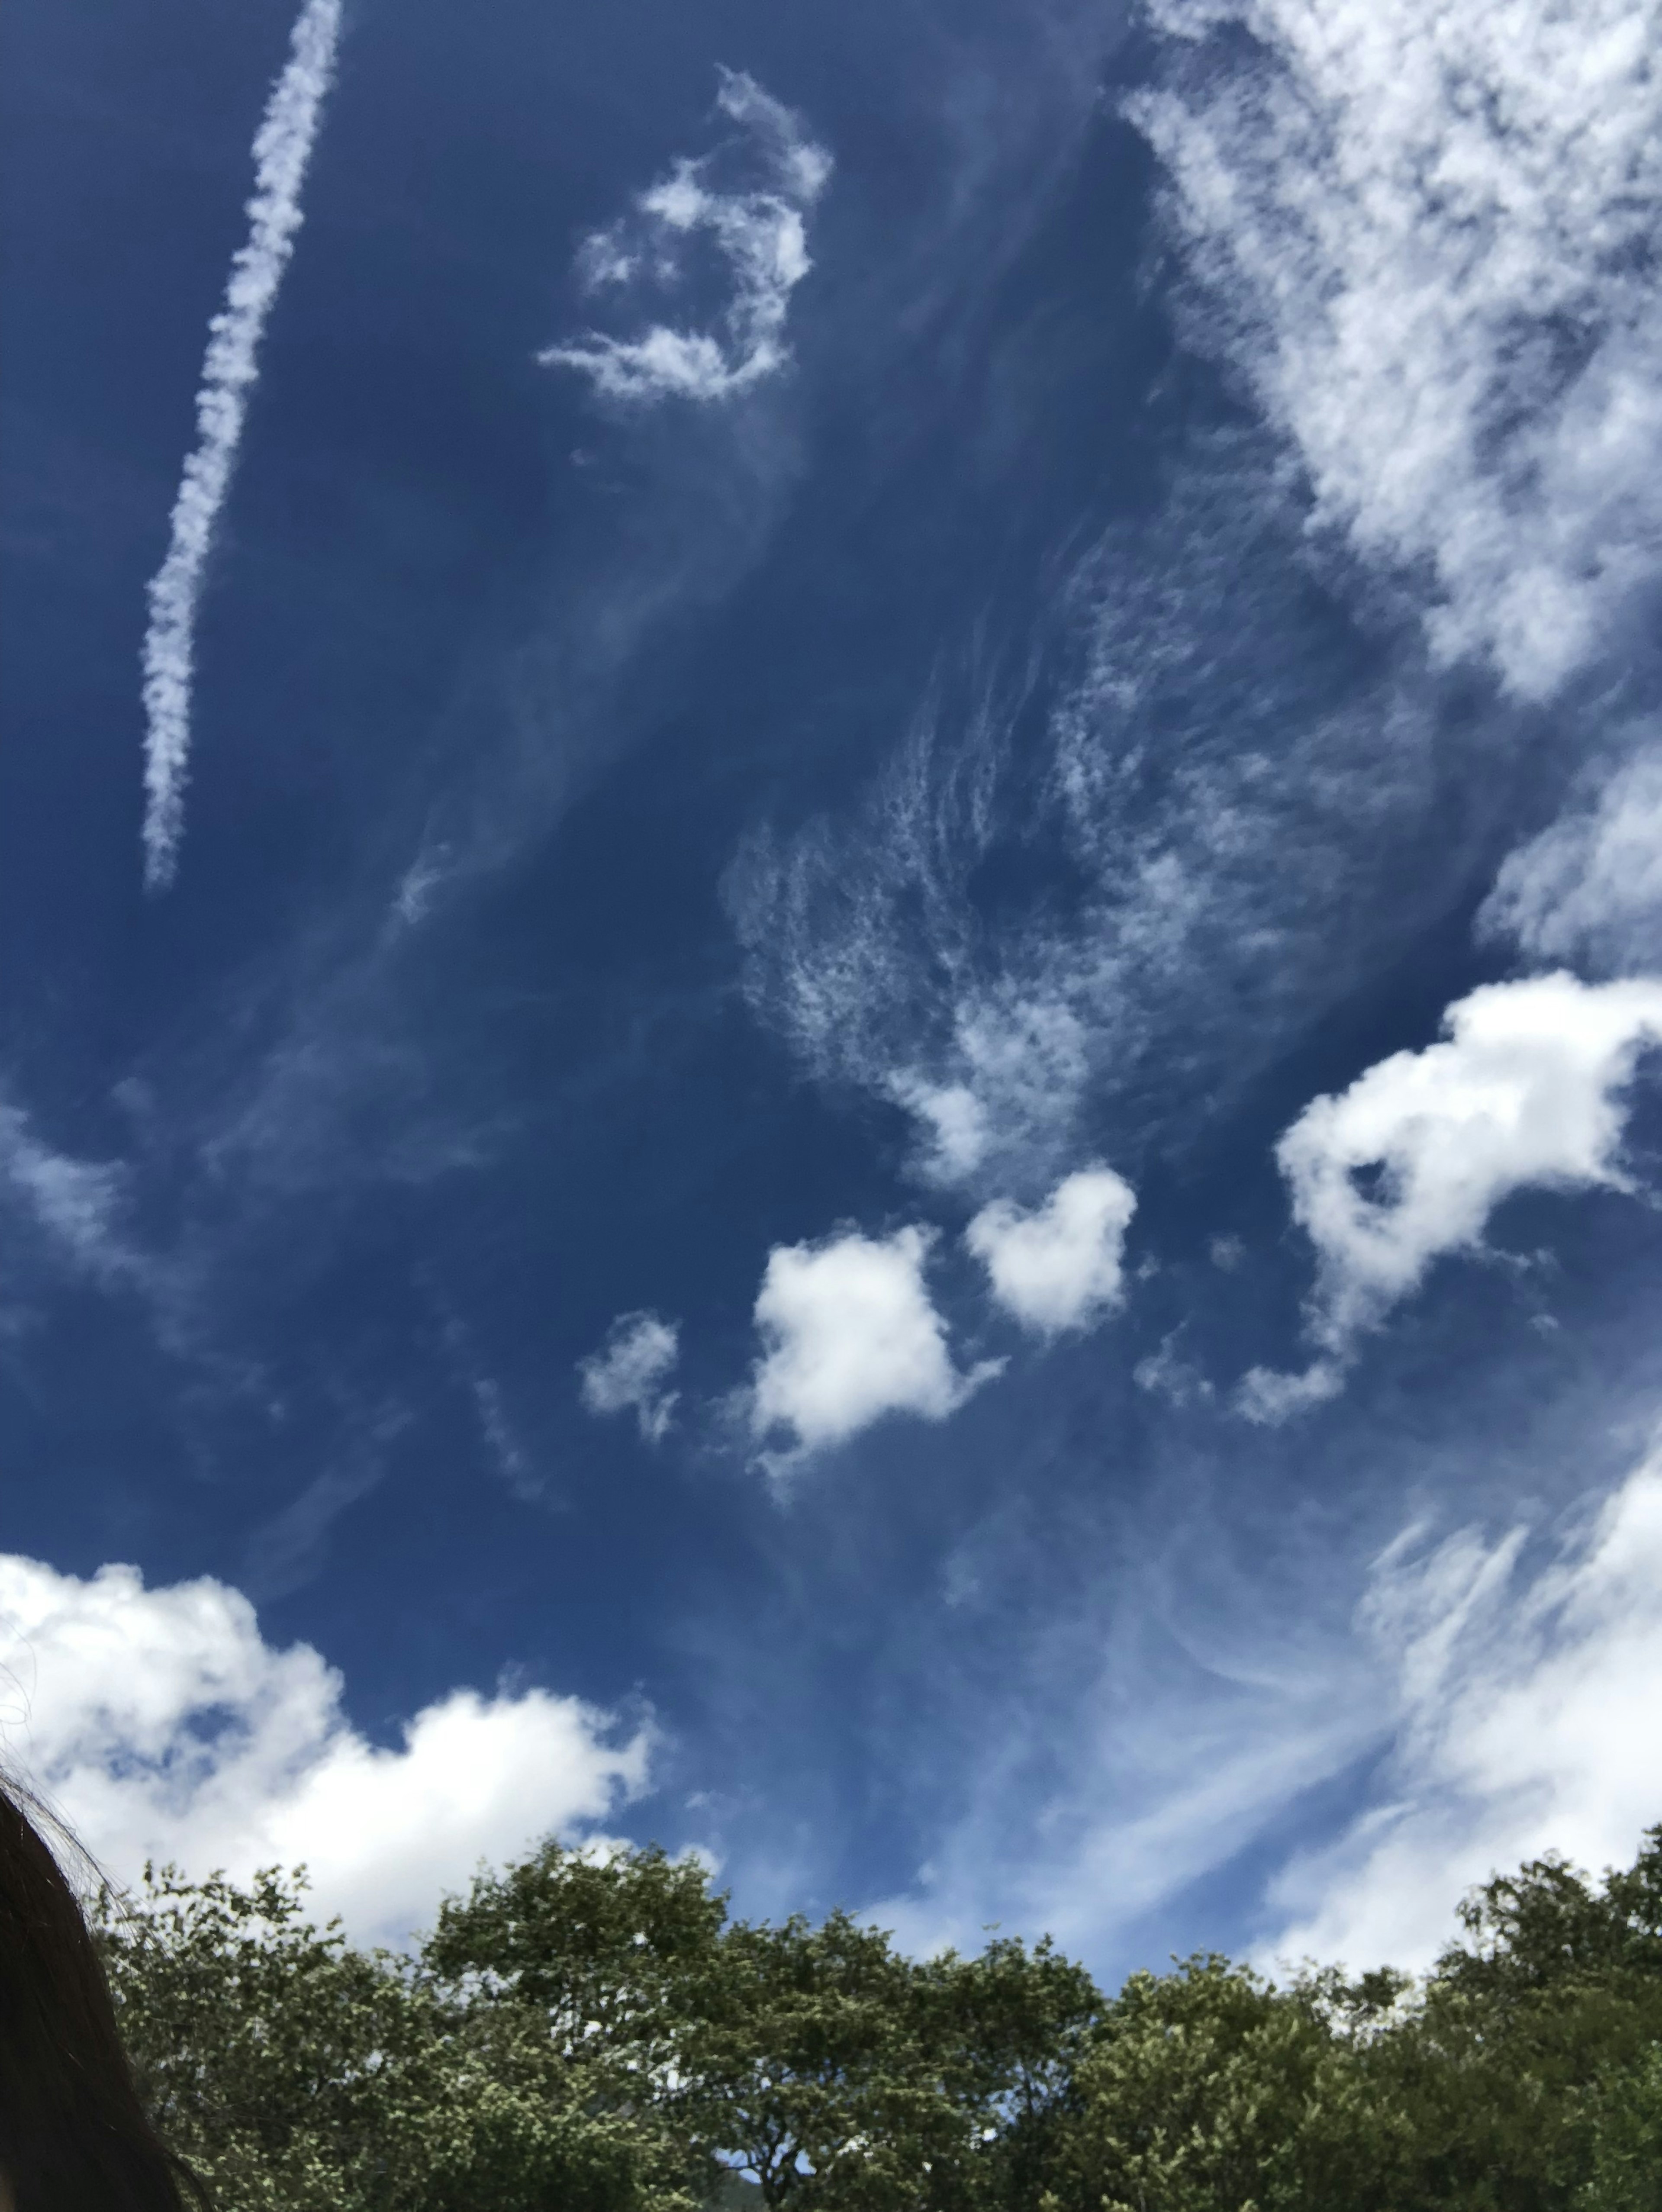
{"x": 163, "y": 1726}
{"x": 1428, "y": 235}
{"x": 759, "y": 234}
{"x": 1526, "y": 1721}
{"x": 850, "y": 1334}
{"x": 283, "y": 151}
{"x": 1409, "y": 1163}
{"x": 1590, "y": 888}
{"x": 628, "y": 1371}
{"x": 1057, "y": 1267}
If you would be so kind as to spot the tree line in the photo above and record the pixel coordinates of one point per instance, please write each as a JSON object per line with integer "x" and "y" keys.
{"x": 583, "y": 2033}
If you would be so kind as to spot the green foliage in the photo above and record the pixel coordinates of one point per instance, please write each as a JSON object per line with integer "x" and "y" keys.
{"x": 589, "y": 2033}
{"x": 295, "y": 2072}
{"x": 817, "y": 2060}
{"x": 1626, "y": 2139}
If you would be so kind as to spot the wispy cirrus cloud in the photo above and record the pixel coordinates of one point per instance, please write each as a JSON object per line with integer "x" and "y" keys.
{"x": 1219, "y": 780}
{"x": 1428, "y": 236}
{"x": 73, "y": 1206}
{"x": 759, "y": 234}
{"x": 1408, "y": 1163}
{"x": 1589, "y": 889}
{"x": 1526, "y": 1690}
{"x": 283, "y": 151}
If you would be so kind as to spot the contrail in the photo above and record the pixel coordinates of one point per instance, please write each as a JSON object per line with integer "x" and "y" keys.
{"x": 282, "y": 150}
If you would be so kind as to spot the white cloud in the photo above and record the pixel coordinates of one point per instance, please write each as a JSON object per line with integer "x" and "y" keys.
{"x": 1528, "y": 1707}
{"x": 163, "y": 1726}
{"x": 74, "y": 1201}
{"x": 1590, "y": 888}
{"x": 1427, "y": 233}
{"x": 851, "y": 1334}
{"x": 73, "y": 1206}
{"x": 1165, "y": 1374}
{"x": 1057, "y": 1267}
{"x": 1232, "y": 797}
{"x": 1268, "y": 1397}
{"x": 283, "y": 150}
{"x": 1525, "y": 1092}
{"x": 628, "y": 1373}
{"x": 956, "y": 1122}
{"x": 760, "y": 234}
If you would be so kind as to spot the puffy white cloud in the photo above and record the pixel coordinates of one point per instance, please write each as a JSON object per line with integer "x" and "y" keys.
{"x": 1057, "y": 1267}
{"x": 628, "y": 1373}
{"x": 1428, "y": 234}
{"x": 1527, "y": 1706}
{"x": 761, "y": 234}
{"x": 851, "y": 1335}
{"x": 163, "y": 1726}
{"x": 1526, "y": 1091}
{"x": 1590, "y": 888}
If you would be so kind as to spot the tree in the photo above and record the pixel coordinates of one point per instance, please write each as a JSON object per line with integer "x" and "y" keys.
{"x": 296, "y": 2072}
{"x": 818, "y": 2060}
{"x": 1211, "y": 2090}
{"x": 1627, "y": 2140}
{"x": 592, "y": 2032}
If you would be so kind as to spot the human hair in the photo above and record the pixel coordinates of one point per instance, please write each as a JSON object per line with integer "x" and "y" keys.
{"x": 73, "y": 2136}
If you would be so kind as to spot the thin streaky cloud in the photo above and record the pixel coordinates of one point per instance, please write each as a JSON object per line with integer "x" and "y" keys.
{"x": 283, "y": 149}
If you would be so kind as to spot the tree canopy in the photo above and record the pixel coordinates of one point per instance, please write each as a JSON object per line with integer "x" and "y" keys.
{"x": 591, "y": 2032}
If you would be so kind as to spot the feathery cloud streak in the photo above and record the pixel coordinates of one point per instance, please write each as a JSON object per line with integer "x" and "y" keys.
{"x": 1218, "y": 779}
{"x": 1589, "y": 889}
{"x": 1526, "y": 1723}
{"x": 283, "y": 149}
{"x": 761, "y": 235}
{"x": 1427, "y": 236}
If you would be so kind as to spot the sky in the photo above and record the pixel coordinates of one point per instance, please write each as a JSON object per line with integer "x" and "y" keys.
{"x": 831, "y": 950}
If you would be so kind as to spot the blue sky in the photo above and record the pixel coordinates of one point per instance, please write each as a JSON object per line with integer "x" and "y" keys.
{"x": 832, "y": 906}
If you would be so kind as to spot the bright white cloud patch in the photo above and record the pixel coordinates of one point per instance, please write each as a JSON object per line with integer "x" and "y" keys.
{"x": 1590, "y": 888}
{"x": 164, "y": 1726}
{"x": 1058, "y": 1267}
{"x": 851, "y": 1335}
{"x": 759, "y": 236}
{"x": 1429, "y": 234}
{"x": 628, "y": 1371}
{"x": 1409, "y": 1163}
{"x": 283, "y": 151}
{"x": 1528, "y": 1708}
